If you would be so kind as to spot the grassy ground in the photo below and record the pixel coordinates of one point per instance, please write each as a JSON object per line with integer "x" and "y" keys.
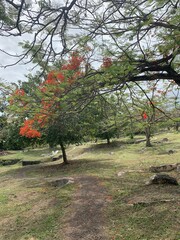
{"x": 33, "y": 210}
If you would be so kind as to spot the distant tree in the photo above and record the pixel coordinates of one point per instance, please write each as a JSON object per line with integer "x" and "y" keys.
{"x": 3, "y": 123}
{"x": 4, "y": 92}
{"x": 102, "y": 118}
{"x": 151, "y": 107}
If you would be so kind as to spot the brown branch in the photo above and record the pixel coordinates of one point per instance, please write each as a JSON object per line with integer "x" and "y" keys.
{"x": 19, "y": 15}
{"x": 16, "y": 6}
{"x": 165, "y": 25}
{"x": 163, "y": 76}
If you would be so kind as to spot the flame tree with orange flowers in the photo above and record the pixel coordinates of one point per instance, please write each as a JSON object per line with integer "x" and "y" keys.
{"x": 47, "y": 107}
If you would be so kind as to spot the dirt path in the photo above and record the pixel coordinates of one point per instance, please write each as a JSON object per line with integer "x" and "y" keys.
{"x": 86, "y": 218}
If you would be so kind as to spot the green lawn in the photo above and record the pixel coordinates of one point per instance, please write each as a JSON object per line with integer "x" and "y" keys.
{"x": 31, "y": 209}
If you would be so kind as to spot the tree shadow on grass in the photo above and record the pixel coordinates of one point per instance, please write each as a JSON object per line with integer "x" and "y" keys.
{"x": 39, "y": 151}
{"x": 111, "y": 146}
{"x": 75, "y": 167}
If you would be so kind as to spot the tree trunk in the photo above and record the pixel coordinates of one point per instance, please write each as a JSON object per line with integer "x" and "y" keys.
{"x": 108, "y": 139}
{"x": 65, "y": 161}
{"x": 131, "y": 135}
{"x": 177, "y": 125}
{"x": 148, "y": 137}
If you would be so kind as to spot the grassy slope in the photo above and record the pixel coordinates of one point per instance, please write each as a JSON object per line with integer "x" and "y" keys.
{"x": 34, "y": 211}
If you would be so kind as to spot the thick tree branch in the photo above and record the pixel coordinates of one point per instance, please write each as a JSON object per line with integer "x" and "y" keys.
{"x": 162, "y": 76}
{"x": 16, "y": 6}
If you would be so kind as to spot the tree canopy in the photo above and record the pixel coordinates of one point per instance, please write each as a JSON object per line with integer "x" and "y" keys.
{"x": 140, "y": 37}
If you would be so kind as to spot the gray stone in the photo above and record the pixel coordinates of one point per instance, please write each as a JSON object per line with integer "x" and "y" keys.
{"x": 163, "y": 168}
{"x": 61, "y": 182}
{"x": 165, "y": 139}
{"x": 55, "y": 158}
{"x": 170, "y": 152}
{"x": 162, "y": 179}
{"x": 26, "y": 162}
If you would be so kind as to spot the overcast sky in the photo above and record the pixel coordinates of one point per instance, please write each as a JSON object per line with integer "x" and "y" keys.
{"x": 13, "y": 73}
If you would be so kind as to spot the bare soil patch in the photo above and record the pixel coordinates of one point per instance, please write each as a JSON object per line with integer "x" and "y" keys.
{"x": 86, "y": 215}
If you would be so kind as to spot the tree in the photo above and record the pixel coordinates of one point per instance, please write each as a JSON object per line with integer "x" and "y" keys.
{"x": 47, "y": 107}
{"x": 4, "y": 92}
{"x": 151, "y": 105}
{"x": 142, "y": 37}
{"x": 65, "y": 129}
{"x": 3, "y": 123}
{"x": 101, "y": 117}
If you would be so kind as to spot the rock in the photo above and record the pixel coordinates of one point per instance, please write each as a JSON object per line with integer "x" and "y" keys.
{"x": 61, "y": 182}
{"x": 120, "y": 174}
{"x": 146, "y": 203}
{"x": 139, "y": 141}
{"x": 170, "y": 152}
{"x": 165, "y": 140}
{"x": 55, "y": 158}
{"x": 162, "y": 179}
{"x": 163, "y": 168}
{"x": 26, "y": 162}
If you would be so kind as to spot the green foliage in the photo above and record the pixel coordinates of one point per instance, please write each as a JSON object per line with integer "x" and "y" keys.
{"x": 106, "y": 131}
{"x": 3, "y": 124}
{"x": 5, "y": 16}
{"x": 66, "y": 130}
{"x": 118, "y": 30}
{"x": 11, "y": 139}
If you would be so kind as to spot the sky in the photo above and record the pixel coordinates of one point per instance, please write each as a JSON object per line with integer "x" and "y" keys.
{"x": 16, "y": 72}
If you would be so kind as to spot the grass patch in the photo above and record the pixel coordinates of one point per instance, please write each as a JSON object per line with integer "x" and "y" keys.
{"x": 3, "y": 198}
{"x": 35, "y": 215}
{"x": 32, "y": 210}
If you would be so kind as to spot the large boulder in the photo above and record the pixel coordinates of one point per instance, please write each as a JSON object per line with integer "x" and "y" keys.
{"x": 162, "y": 179}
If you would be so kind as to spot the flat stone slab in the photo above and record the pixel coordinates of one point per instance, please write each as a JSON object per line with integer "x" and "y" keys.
{"x": 61, "y": 182}
{"x": 26, "y": 162}
{"x": 164, "y": 168}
